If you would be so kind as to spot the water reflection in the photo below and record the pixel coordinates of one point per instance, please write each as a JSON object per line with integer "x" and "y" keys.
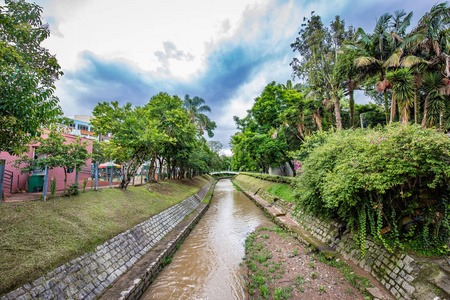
{"x": 207, "y": 264}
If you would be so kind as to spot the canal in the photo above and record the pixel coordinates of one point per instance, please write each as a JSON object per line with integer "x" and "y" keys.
{"x": 207, "y": 265}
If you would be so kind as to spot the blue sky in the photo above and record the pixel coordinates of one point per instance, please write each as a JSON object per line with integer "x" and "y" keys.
{"x": 222, "y": 51}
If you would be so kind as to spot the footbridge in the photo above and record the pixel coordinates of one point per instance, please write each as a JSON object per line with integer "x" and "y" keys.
{"x": 224, "y": 172}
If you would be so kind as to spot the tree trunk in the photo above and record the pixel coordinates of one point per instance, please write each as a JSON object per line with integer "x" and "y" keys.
{"x": 65, "y": 180}
{"x": 393, "y": 106}
{"x": 161, "y": 161}
{"x": 352, "y": 106}
{"x": 386, "y": 106}
{"x": 416, "y": 108}
{"x": 425, "y": 111}
{"x": 405, "y": 114}
{"x": 337, "y": 110}
{"x": 317, "y": 119}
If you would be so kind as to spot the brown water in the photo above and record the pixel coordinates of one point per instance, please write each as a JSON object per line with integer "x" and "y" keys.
{"x": 206, "y": 266}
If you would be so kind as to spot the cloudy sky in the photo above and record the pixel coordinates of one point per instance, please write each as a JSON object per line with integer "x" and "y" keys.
{"x": 224, "y": 51}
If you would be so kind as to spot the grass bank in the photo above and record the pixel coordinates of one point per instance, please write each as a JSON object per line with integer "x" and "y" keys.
{"x": 280, "y": 190}
{"x": 37, "y": 236}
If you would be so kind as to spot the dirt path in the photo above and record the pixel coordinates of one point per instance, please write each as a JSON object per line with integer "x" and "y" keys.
{"x": 279, "y": 267}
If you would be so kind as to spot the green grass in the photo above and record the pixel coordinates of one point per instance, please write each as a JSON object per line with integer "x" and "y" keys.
{"x": 280, "y": 190}
{"x": 37, "y": 236}
{"x": 283, "y": 191}
{"x": 249, "y": 181}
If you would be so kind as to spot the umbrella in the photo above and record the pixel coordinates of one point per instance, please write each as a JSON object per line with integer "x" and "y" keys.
{"x": 108, "y": 165}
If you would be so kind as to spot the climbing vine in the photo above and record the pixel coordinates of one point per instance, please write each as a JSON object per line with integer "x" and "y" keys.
{"x": 391, "y": 183}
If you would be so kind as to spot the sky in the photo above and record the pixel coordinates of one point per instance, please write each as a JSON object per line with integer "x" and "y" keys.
{"x": 224, "y": 51}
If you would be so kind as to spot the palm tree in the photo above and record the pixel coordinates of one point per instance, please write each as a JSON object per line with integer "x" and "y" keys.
{"x": 376, "y": 49}
{"x": 430, "y": 37}
{"x": 432, "y": 86}
{"x": 195, "y": 108}
{"x": 402, "y": 91}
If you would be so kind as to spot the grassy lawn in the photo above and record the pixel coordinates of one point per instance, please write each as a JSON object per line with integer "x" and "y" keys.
{"x": 281, "y": 190}
{"x": 37, "y": 236}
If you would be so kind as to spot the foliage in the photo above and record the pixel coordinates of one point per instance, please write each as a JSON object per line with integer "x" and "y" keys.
{"x": 27, "y": 79}
{"x": 163, "y": 131}
{"x": 52, "y": 187}
{"x": 58, "y": 153}
{"x": 374, "y": 178}
{"x": 73, "y": 189}
{"x": 100, "y": 152}
{"x": 134, "y": 135}
{"x": 195, "y": 108}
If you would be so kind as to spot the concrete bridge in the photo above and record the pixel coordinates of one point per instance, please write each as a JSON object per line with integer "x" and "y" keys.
{"x": 224, "y": 172}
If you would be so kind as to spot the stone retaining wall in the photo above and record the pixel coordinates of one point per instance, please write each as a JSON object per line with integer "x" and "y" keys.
{"x": 394, "y": 270}
{"x": 91, "y": 274}
{"x": 140, "y": 284}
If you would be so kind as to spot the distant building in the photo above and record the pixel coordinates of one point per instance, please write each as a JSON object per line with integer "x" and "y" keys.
{"x": 81, "y": 126}
{"x": 279, "y": 171}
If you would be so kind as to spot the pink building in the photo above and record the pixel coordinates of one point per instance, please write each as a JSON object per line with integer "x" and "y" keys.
{"x": 20, "y": 181}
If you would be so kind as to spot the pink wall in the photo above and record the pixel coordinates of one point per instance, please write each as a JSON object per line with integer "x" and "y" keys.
{"x": 20, "y": 180}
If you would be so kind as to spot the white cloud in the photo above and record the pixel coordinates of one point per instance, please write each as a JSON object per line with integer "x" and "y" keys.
{"x": 136, "y": 30}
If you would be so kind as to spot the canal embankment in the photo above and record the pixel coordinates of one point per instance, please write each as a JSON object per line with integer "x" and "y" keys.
{"x": 404, "y": 275}
{"x": 90, "y": 274}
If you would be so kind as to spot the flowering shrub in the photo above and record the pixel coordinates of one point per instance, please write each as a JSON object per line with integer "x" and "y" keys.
{"x": 298, "y": 167}
{"x": 374, "y": 179}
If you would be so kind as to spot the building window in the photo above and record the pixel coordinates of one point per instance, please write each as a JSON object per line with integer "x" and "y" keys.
{"x": 83, "y": 127}
{"x": 72, "y": 125}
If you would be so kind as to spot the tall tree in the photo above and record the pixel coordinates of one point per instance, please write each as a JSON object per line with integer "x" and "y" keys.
{"x": 318, "y": 47}
{"x": 196, "y": 108}
{"x": 27, "y": 78}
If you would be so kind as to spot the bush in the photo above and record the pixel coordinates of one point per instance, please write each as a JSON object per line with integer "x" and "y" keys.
{"x": 73, "y": 190}
{"x": 374, "y": 178}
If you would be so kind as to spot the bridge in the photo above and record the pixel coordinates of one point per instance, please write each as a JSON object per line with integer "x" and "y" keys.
{"x": 224, "y": 172}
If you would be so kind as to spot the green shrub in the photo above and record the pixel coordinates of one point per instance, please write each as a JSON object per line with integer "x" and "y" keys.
{"x": 373, "y": 178}
{"x": 73, "y": 189}
{"x": 52, "y": 187}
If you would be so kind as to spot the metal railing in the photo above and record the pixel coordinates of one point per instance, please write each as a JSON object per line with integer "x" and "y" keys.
{"x": 8, "y": 180}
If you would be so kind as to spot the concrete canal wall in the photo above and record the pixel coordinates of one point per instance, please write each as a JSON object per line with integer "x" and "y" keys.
{"x": 90, "y": 275}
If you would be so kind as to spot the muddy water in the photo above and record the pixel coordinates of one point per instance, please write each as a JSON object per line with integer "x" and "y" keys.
{"x": 207, "y": 264}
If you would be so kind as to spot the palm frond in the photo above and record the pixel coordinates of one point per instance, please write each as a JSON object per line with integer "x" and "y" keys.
{"x": 394, "y": 59}
{"x": 412, "y": 60}
{"x": 364, "y": 61}
{"x": 413, "y": 40}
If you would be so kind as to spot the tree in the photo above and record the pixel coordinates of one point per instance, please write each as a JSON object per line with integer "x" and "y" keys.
{"x": 57, "y": 153}
{"x": 27, "y": 79}
{"x": 196, "y": 107}
{"x": 372, "y": 60}
{"x": 434, "y": 100}
{"x": 403, "y": 91}
{"x": 135, "y": 135}
{"x": 100, "y": 152}
{"x": 215, "y": 146}
{"x": 318, "y": 47}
